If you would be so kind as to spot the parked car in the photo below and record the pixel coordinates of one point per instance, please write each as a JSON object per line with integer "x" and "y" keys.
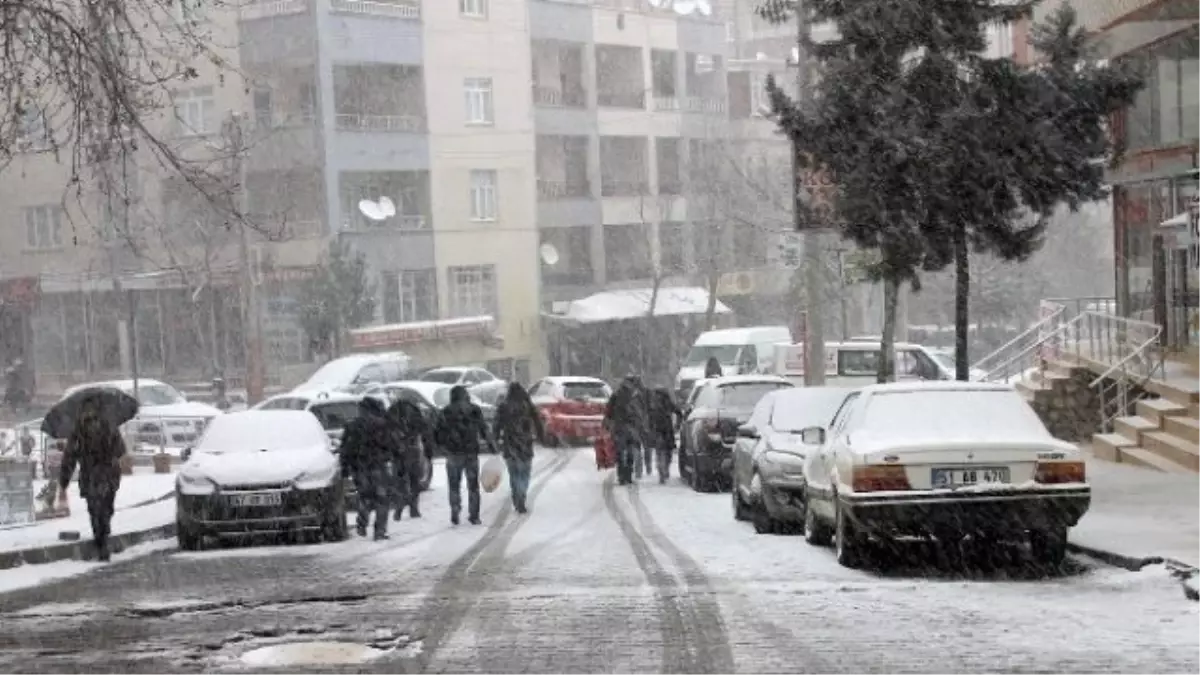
{"x": 354, "y": 373}
{"x": 943, "y": 461}
{"x": 572, "y": 408}
{"x": 166, "y": 421}
{"x": 484, "y": 385}
{"x": 260, "y": 472}
{"x": 719, "y": 407}
{"x": 428, "y": 396}
{"x": 769, "y": 454}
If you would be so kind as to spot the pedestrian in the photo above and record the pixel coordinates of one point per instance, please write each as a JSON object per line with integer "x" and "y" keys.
{"x": 220, "y": 395}
{"x": 459, "y": 429}
{"x": 518, "y": 423}
{"x": 368, "y": 445}
{"x": 16, "y": 394}
{"x": 415, "y": 437}
{"x": 712, "y": 368}
{"x": 664, "y": 417}
{"x": 625, "y": 419}
{"x": 96, "y": 447}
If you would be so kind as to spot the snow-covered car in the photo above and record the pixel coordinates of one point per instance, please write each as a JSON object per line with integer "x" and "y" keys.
{"x": 941, "y": 460}
{"x": 484, "y": 385}
{"x": 354, "y": 373}
{"x": 166, "y": 420}
{"x": 769, "y": 453}
{"x": 260, "y": 471}
{"x": 572, "y": 407}
{"x": 945, "y": 362}
{"x": 428, "y": 396}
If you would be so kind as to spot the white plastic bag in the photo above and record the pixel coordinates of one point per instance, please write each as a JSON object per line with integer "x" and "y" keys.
{"x": 491, "y": 473}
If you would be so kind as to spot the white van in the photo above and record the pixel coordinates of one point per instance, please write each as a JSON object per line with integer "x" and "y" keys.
{"x": 856, "y": 363}
{"x": 740, "y": 351}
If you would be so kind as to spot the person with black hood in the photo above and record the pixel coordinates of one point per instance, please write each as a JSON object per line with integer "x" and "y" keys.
{"x": 625, "y": 419}
{"x": 712, "y": 368}
{"x": 368, "y": 444}
{"x": 458, "y": 432}
{"x": 518, "y": 423}
{"x": 664, "y": 416}
{"x": 415, "y": 436}
{"x": 96, "y": 447}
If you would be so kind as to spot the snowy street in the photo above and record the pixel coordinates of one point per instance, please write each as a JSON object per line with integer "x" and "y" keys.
{"x": 597, "y": 578}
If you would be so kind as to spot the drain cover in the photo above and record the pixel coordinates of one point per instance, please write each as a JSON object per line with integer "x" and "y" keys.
{"x": 311, "y": 654}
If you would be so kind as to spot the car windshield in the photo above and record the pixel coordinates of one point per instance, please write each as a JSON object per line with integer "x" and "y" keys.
{"x": 725, "y": 354}
{"x": 443, "y": 376}
{"x": 156, "y": 394}
{"x": 746, "y": 395}
{"x": 584, "y": 390}
{"x": 256, "y": 431}
{"x": 334, "y": 416}
{"x": 984, "y": 414}
{"x": 798, "y": 409}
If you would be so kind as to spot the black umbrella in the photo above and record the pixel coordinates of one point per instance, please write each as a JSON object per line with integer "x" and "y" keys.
{"x": 112, "y": 405}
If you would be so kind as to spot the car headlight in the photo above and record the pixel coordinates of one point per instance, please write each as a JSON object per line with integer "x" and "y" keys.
{"x": 194, "y": 484}
{"x": 781, "y": 463}
{"x": 317, "y": 477}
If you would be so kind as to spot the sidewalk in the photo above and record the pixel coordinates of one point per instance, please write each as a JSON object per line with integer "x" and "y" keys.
{"x": 1138, "y": 513}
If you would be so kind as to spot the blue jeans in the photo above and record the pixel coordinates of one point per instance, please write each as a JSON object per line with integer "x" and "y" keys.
{"x": 456, "y": 467}
{"x": 518, "y": 480}
{"x": 373, "y": 495}
{"x": 629, "y": 450}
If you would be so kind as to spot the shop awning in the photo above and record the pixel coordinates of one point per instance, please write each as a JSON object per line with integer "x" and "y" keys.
{"x": 397, "y": 334}
{"x": 1179, "y": 220}
{"x": 635, "y": 303}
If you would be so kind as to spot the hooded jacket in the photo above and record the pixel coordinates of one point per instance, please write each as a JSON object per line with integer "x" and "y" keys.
{"x": 369, "y": 442}
{"x": 96, "y": 447}
{"x": 518, "y": 424}
{"x": 462, "y": 425}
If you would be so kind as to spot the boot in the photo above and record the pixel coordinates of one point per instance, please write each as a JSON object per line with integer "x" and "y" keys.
{"x": 102, "y": 553}
{"x": 414, "y": 511}
{"x": 361, "y": 530}
{"x": 397, "y": 514}
{"x": 474, "y": 520}
{"x": 453, "y": 518}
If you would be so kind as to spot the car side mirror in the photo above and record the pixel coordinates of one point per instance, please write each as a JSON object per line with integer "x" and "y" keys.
{"x": 747, "y": 431}
{"x": 812, "y": 436}
{"x": 183, "y": 456}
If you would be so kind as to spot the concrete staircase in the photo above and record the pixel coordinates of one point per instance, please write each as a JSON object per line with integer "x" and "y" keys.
{"x": 1061, "y": 395}
{"x": 1164, "y": 434}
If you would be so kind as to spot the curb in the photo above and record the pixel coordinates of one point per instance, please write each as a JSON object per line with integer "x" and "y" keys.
{"x": 1131, "y": 563}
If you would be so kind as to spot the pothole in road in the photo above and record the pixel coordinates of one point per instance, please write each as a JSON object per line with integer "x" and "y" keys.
{"x": 311, "y": 654}
{"x": 306, "y": 646}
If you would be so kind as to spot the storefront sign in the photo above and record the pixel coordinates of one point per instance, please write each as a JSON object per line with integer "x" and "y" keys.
{"x": 408, "y": 333}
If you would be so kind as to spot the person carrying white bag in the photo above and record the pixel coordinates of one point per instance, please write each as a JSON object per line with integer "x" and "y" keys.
{"x": 459, "y": 429}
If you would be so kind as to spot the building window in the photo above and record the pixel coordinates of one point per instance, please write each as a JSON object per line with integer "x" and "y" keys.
{"x": 483, "y": 194}
{"x": 43, "y": 227}
{"x": 196, "y": 111}
{"x": 627, "y": 252}
{"x": 410, "y": 295}
{"x": 473, "y": 8}
{"x": 478, "y": 91}
{"x": 574, "y": 263}
{"x": 672, "y": 248}
{"x": 1166, "y": 111}
{"x": 472, "y": 291}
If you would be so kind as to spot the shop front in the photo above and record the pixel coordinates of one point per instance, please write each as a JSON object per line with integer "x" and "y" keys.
{"x": 447, "y": 342}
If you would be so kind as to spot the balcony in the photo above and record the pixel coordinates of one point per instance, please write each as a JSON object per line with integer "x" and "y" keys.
{"x": 623, "y": 161}
{"x": 263, "y": 9}
{"x": 557, "y": 97}
{"x": 558, "y": 74}
{"x": 574, "y": 264}
{"x": 408, "y": 190}
{"x": 667, "y": 153}
{"x": 704, "y": 105}
{"x": 392, "y": 124}
{"x": 379, "y": 98}
{"x": 395, "y": 9}
{"x": 560, "y": 189}
{"x": 663, "y": 67}
{"x": 620, "y": 82}
{"x": 562, "y": 167}
{"x": 705, "y": 80}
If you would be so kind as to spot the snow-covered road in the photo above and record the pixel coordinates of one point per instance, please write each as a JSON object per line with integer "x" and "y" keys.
{"x": 653, "y": 578}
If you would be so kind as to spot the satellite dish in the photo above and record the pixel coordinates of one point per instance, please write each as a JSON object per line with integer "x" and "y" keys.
{"x": 704, "y": 7}
{"x": 371, "y": 210}
{"x": 683, "y": 7}
{"x": 549, "y": 254}
{"x": 761, "y": 56}
{"x": 387, "y": 206}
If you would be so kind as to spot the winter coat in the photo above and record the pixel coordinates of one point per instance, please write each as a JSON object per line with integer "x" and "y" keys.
{"x": 96, "y": 447}
{"x": 461, "y": 425}
{"x": 369, "y": 442}
{"x": 625, "y": 414}
{"x": 412, "y": 429}
{"x": 663, "y": 417}
{"x": 518, "y": 425}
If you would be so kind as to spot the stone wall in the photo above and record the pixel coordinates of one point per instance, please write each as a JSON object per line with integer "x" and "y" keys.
{"x": 1068, "y": 407}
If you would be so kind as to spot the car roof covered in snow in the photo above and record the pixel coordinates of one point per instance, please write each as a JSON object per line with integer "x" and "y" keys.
{"x": 935, "y": 385}
{"x": 737, "y": 336}
{"x": 123, "y": 385}
{"x": 315, "y": 396}
{"x": 727, "y": 380}
{"x": 263, "y": 429}
{"x": 573, "y": 379}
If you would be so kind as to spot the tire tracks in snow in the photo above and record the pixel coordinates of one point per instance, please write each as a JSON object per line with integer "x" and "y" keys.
{"x": 458, "y": 590}
{"x": 693, "y": 632}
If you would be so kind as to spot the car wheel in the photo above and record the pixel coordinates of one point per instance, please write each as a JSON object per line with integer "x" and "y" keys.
{"x": 739, "y": 506}
{"x": 189, "y": 539}
{"x": 763, "y": 522}
{"x": 335, "y": 526}
{"x": 846, "y": 541}
{"x": 816, "y": 532}
{"x": 1049, "y": 546}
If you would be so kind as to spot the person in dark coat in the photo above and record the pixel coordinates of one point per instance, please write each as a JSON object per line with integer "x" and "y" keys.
{"x": 368, "y": 445}
{"x": 96, "y": 447}
{"x": 712, "y": 368}
{"x": 458, "y": 432}
{"x": 518, "y": 424}
{"x": 625, "y": 419}
{"x": 664, "y": 416}
{"x": 16, "y": 393}
{"x": 415, "y": 437}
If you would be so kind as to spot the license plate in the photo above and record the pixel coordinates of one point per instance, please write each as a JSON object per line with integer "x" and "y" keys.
{"x": 983, "y": 475}
{"x": 264, "y": 499}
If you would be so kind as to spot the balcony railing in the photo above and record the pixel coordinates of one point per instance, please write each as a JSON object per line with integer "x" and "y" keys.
{"x": 670, "y": 186}
{"x": 261, "y": 9}
{"x": 664, "y": 103}
{"x": 704, "y": 104}
{"x": 555, "y": 189}
{"x": 400, "y": 9}
{"x": 266, "y": 121}
{"x": 574, "y": 277}
{"x": 554, "y": 97}
{"x": 624, "y": 188}
{"x": 400, "y": 221}
{"x": 635, "y": 99}
{"x": 395, "y": 124}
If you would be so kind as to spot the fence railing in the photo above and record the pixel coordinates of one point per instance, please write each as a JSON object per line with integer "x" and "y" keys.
{"x": 398, "y": 9}
{"x": 404, "y": 124}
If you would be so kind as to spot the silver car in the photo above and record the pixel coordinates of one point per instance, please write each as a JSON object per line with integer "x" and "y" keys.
{"x": 769, "y": 453}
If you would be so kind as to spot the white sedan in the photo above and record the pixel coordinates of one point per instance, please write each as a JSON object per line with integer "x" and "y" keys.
{"x": 166, "y": 420}
{"x": 260, "y": 472}
{"x": 942, "y": 460}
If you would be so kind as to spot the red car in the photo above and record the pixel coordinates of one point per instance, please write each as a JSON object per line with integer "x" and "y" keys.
{"x": 572, "y": 408}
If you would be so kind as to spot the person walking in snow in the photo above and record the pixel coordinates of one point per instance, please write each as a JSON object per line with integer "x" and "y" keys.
{"x": 96, "y": 447}
{"x": 664, "y": 415}
{"x": 368, "y": 445}
{"x": 518, "y": 423}
{"x": 458, "y": 432}
{"x": 625, "y": 419}
{"x": 415, "y": 437}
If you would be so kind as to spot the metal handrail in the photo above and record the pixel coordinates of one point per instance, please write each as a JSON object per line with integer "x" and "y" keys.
{"x": 1034, "y": 329}
{"x": 1156, "y": 333}
{"x": 1057, "y": 332}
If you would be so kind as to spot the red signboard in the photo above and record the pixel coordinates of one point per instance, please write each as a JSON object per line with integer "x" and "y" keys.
{"x": 21, "y": 292}
{"x": 409, "y": 333}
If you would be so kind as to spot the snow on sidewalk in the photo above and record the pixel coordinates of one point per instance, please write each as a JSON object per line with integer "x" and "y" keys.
{"x": 1141, "y": 513}
{"x": 27, "y": 576}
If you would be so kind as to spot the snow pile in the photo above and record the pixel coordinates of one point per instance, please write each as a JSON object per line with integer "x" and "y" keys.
{"x": 27, "y": 576}
{"x": 311, "y": 654}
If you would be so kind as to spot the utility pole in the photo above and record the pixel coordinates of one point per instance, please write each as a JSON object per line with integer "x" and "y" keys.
{"x": 814, "y": 272}
{"x": 251, "y": 310}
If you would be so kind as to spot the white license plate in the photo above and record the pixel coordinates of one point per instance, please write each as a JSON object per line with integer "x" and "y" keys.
{"x": 264, "y": 499}
{"x": 982, "y": 475}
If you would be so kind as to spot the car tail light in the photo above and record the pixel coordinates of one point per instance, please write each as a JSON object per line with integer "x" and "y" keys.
{"x": 1060, "y": 472}
{"x": 880, "y": 478}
